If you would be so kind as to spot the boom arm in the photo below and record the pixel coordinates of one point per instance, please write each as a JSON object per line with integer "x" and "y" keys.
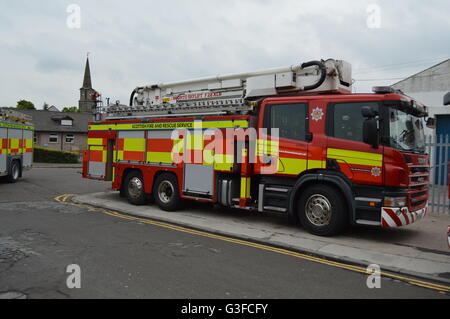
{"x": 232, "y": 93}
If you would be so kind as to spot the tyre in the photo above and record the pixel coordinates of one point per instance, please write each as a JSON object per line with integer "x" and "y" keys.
{"x": 322, "y": 210}
{"x": 14, "y": 173}
{"x": 133, "y": 188}
{"x": 166, "y": 192}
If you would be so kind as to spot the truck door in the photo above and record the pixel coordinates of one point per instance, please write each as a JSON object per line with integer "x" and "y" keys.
{"x": 3, "y": 150}
{"x": 360, "y": 162}
{"x": 99, "y": 158}
{"x": 27, "y": 148}
{"x": 198, "y": 179}
{"x": 289, "y": 153}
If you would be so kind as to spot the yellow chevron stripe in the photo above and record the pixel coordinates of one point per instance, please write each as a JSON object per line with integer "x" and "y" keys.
{"x": 159, "y": 157}
{"x": 134, "y": 144}
{"x": 355, "y": 157}
{"x": 95, "y": 141}
{"x": 291, "y": 166}
{"x": 245, "y": 187}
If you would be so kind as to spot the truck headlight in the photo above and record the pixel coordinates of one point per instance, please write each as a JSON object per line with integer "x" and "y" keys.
{"x": 394, "y": 202}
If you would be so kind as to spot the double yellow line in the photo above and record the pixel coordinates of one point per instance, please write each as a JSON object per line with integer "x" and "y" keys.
{"x": 66, "y": 199}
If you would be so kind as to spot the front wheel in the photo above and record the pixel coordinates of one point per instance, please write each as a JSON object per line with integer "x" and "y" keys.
{"x": 322, "y": 210}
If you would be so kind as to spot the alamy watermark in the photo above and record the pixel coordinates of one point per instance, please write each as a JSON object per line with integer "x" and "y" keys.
{"x": 374, "y": 278}
{"x": 74, "y": 279}
{"x": 373, "y": 16}
{"x": 73, "y": 20}
{"x": 227, "y": 146}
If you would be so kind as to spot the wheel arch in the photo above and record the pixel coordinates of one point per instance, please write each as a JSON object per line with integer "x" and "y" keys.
{"x": 160, "y": 172}
{"x": 340, "y": 183}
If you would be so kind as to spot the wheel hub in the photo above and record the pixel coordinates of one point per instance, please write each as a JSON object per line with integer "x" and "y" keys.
{"x": 318, "y": 210}
{"x": 165, "y": 191}
{"x": 135, "y": 187}
{"x": 15, "y": 172}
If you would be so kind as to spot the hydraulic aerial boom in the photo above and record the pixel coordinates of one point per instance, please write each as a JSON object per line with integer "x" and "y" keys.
{"x": 234, "y": 93}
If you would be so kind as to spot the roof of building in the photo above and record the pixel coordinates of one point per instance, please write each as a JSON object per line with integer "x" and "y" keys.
{"x": 53, "y": 108}
{"x": 421, "y": 72}
{"x": 50, "y": 121}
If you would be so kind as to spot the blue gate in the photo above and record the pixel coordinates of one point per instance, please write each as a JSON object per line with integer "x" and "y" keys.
{"x": 441, "y": 153}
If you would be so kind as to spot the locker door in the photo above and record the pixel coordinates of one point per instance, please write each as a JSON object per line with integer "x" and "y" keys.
{"x": 3, "y": 149}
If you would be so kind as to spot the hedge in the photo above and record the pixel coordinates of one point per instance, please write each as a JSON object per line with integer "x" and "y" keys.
{"x": 46, "y": 155}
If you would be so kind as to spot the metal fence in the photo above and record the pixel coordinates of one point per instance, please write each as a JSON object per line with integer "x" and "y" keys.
{"x": 438, "y": 148}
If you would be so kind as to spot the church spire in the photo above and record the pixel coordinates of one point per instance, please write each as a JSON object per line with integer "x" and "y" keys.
{"x": 87, "y": 75}
{"x": 87, "y": 100}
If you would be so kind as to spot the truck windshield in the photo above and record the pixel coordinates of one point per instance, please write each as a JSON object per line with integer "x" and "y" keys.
{"x": 406, "y": 131}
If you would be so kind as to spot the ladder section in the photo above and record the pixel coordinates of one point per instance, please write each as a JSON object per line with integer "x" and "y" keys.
{"x": 234, "y": 93}
{"x": 14, "y": 116}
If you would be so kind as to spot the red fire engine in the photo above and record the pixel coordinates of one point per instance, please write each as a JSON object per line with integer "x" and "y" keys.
{"x": 291, "y": 140}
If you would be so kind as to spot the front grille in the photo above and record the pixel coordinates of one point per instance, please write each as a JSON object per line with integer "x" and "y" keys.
{"x": 419, "y": 179}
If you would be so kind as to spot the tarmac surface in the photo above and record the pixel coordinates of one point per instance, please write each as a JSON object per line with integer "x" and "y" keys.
{"x": 122, "y": 256}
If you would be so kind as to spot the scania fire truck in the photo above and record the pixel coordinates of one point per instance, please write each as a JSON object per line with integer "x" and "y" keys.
{"x": 16, "y": 144}
{"x": 293, "y": 140}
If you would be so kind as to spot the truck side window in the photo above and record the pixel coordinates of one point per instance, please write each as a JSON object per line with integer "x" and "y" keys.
{"x": 290, "y": 119}
{"x": 348, "y": 120}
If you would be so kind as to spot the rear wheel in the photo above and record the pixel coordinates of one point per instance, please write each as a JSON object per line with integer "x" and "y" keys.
{"x": 322, "y": 211}
{"x": 14, "y": 172}
{"x": 166, "y": 193}
{"x": 133, "y": 188}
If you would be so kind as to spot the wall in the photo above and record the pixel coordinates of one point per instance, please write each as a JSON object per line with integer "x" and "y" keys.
{"x": 433, "y": 79}
{"x": 79, "y": 143}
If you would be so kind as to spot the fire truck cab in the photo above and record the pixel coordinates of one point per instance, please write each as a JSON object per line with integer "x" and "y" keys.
{"x": 324, "y": 157}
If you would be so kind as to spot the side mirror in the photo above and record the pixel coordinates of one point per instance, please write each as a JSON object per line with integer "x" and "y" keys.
{"x": 431, "y": 122}
{"x": 370, "y": 132}
{"x": 447, "y": 99}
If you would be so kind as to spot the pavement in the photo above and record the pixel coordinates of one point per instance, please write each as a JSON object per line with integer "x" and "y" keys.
{"x": 419, "y": 249}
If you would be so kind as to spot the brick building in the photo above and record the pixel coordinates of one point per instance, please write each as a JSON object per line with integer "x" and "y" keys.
{"x": 60, "y": 130}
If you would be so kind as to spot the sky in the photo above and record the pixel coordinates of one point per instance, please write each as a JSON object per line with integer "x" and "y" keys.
{"x": 43, "y": 48}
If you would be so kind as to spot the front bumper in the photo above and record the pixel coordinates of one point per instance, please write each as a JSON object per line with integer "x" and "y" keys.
{"x": 401, "y": 216}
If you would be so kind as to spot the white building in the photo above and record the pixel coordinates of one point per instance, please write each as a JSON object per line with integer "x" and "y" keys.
{"x": 429, "y": 87}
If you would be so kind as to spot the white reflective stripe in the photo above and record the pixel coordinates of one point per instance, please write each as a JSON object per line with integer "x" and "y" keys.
{"x": 367, "y": 199}
{"x": 387, "y": 218}
{"x": 293, "y": 153}
{"x": 401, "y": 217}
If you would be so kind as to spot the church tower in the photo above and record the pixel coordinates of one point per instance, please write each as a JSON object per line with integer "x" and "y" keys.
{"x": 87, "y": 99}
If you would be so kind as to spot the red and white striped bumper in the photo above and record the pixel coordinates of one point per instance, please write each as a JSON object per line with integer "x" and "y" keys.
{"x": 448, "y": 236}
{"x": 396, "y": 216}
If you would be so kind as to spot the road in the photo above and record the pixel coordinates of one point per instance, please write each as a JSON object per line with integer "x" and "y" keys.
{"x": 120, "y": 258}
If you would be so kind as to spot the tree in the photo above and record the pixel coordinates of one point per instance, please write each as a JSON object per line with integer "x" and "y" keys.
{"x": 45, "y": 106}
{"x": 71, "y": 109}
{"x": 25, "y": 105}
